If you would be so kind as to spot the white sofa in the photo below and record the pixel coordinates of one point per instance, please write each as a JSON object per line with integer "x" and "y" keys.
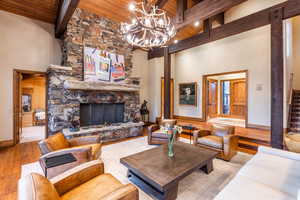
{"x": 271, "y": 174}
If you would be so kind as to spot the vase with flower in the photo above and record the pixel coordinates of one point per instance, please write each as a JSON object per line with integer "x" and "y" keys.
{"x": 169, "y": 127}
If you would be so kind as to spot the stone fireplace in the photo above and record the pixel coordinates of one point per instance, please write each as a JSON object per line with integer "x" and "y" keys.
{"x": 69, "y": 96}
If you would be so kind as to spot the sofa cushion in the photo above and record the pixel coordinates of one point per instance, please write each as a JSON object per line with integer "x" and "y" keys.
{"x": 94, "y": 189}
{"x": 57, "y": 142}
{"x": 212, "y": 141}
{"x": 160, "y": 134}
{"x": 222, "y": 130}
{"x": 243, "y": 188}
{"x": 274, "y": 171}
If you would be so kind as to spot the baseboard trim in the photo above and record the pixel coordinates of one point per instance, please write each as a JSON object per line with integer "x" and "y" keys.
{"x": 6, "y": 143}
{"x": 189, "y": 118}
{"x": 261, "y": 127}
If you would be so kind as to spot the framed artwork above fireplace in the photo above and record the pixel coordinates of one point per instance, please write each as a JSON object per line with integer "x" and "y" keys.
{"x": 103, "y": 66}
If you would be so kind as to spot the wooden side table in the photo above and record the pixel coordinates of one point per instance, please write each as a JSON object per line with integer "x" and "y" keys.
{"x": 189, "y": 129}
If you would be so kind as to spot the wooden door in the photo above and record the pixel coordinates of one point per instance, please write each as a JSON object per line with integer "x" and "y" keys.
{"x": 212, "y": 98}
{"x": 163, "y": 95}
{"x": 238, "y": 98}
{"x": 17, "y": 114}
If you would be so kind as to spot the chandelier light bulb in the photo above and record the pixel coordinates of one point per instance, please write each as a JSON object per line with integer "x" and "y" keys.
{"x": 147, "y": 22}
{"x": 129, "y": 37}
{"x": 131, "y": 7}
{"x": 197, "y": 23}
{"x": 161, "y": 22}
{"x": 133, "y": 21}
{"x": 175, "y": 41}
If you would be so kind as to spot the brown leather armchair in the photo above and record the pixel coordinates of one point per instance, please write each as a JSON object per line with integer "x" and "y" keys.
{"x": 221, "y": 138}
{"x": 87, "y": 181}
{"x": 84, "y": 149}
{"x": 155, "y": 136}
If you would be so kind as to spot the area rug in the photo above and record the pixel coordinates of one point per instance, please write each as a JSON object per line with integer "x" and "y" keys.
{"x": 196, "y": 186}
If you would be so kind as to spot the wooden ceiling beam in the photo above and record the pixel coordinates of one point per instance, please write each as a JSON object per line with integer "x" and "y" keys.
{"x": 206, "y": 9}
{"x": 161, "y": 3}
{"x": 181, "y": 8}
{"x": 220, "y": 18}
{"x": 290, "y": 8}
{"x": 66, "y": 10}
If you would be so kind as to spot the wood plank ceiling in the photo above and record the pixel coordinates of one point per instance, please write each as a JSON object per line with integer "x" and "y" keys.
{"x": 44, "y": 10}
{"x": 116, "y": 10}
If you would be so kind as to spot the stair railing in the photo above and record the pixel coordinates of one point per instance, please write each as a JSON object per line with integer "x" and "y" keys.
{"x": 290, "y": 100}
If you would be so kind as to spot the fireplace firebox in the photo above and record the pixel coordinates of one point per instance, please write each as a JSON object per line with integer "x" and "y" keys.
{"x": 101, "y": 113}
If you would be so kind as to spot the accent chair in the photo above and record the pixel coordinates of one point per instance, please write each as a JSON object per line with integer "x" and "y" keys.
{"x": 220, "y": 138}
{"x": 86, "y": 181}
{"x": 156, "y": 136}
{"x": 84, "y": 149}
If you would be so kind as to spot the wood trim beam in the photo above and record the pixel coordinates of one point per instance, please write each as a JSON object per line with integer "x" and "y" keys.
{"x": 219, "y": 18}
{"x": 277, "y": 78}
{"x": 181, "y": 8}
{"x": 66, "y": 10}
{"x": 167, "y": 84}
{"x": 161, "y": 3}
{"x": 290, "y": 8}
{"x": 206, "y": 9}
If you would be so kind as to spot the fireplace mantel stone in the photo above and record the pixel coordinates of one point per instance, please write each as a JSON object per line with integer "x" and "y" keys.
{"x": 100, "y": 86}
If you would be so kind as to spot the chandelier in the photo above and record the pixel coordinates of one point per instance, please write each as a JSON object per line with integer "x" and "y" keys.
{"x": 150, "y": 27}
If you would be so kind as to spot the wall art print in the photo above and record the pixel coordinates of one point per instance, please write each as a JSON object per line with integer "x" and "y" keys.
{"x": 188, "y": 94}
{"x": 103, "y": 66}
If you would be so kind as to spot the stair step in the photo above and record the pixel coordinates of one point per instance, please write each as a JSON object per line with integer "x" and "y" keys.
{"x": 295, "y": 119}
{"x": 292, "y": 129}
{"x": 295, "y": 122}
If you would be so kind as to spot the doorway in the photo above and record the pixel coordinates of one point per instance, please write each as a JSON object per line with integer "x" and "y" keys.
{"x": 226, "y": 98}
{"x": 212, "y": 98}
{"x": 30, "y": 106}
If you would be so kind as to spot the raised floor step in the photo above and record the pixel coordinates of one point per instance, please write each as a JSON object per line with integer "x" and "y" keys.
{"x": 251, "y": 144}
{"x": 294, "y": 129}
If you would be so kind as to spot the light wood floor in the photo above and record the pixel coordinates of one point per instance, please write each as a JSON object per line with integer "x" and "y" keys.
{"x": 13, "y": 158}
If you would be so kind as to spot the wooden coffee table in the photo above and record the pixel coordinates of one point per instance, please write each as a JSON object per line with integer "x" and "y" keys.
{"x": 158, "y": 175}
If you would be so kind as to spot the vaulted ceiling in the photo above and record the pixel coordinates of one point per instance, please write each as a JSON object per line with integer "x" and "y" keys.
{"x": 117, "y": 10}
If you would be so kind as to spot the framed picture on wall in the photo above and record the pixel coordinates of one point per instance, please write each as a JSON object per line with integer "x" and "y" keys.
{"x": 26, "y": 102}
{"x": 96, "y": 65}
{"x": 188, "y": 94}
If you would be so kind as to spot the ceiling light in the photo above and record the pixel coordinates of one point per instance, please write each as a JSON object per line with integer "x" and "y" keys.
{"x": 150, "y": 27}
{"x": 131, "y": 7}
{"x": 175, "y": 41}
{"x": 197, "y": 23}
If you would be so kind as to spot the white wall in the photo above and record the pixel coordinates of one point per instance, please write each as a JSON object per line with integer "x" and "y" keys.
{"x": 247, "y": 51}
{"x": 25, "y": 44}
